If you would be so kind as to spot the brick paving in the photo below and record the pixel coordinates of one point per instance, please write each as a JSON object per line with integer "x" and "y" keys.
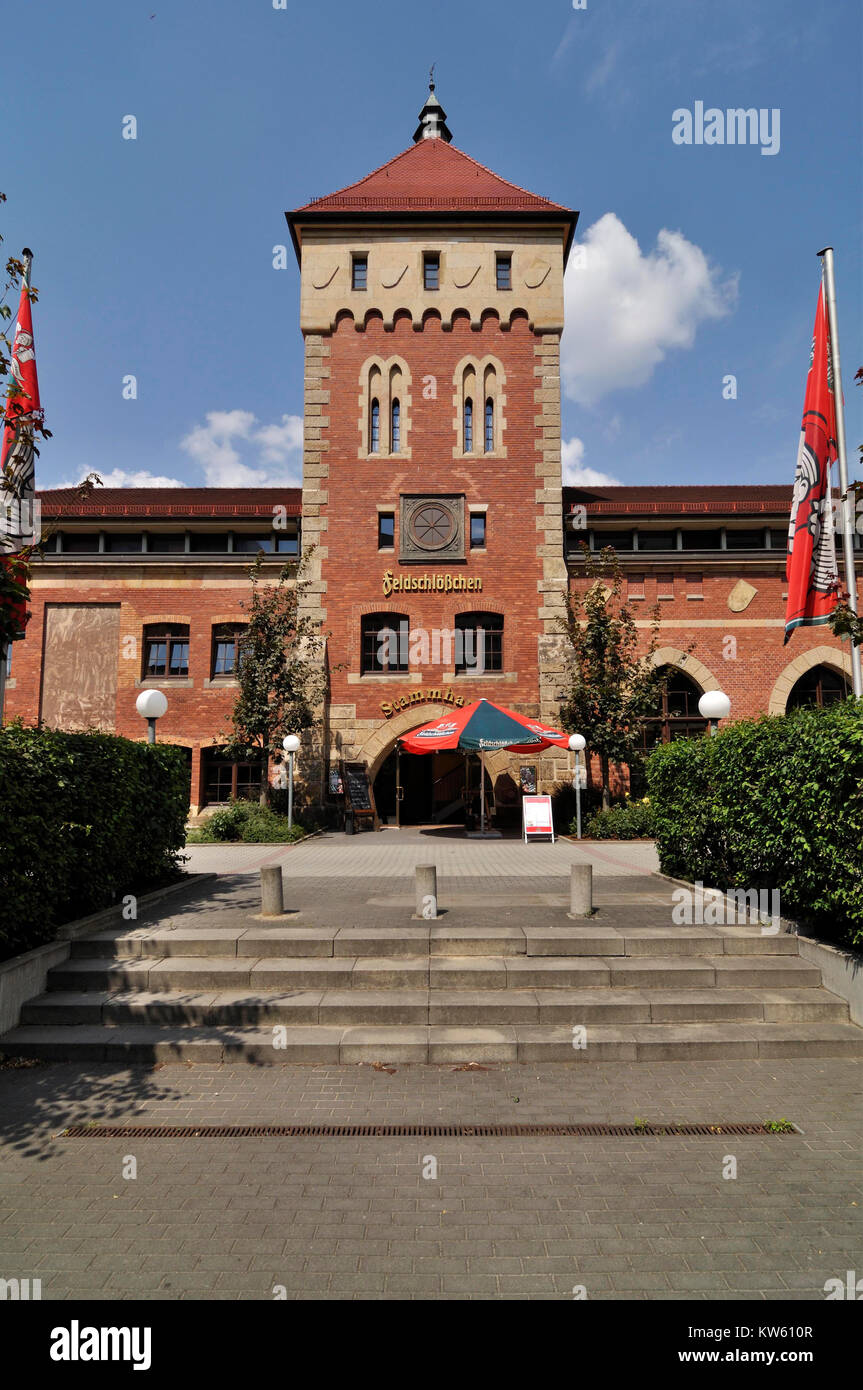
{"x": 505, "y": 1218}
{"x": 344, "y": 1218}
{"x": 391, "y": 854}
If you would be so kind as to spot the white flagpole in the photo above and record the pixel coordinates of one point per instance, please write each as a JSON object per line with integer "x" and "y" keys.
{"x": 847, "y": 510}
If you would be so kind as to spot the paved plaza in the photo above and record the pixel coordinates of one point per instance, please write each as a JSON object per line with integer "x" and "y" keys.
{"x": 504, "y": 1218}
{"x": 613, "y": 1217}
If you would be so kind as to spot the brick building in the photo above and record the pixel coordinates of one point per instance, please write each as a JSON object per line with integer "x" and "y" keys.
{"x": 431, "y": 311}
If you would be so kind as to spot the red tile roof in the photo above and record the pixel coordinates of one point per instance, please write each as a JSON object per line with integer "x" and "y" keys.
{"x": 432, "y": 176}
{"x": 170, "y": 503}
{"x": 716, "y": 500}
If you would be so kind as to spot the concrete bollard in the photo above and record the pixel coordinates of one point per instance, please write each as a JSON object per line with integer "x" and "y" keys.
{"x": 272, "y": 900}
{"x": 581, "y": 890}
{"x": 426, "y": 883}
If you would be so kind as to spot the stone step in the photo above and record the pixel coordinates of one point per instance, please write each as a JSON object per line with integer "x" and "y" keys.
{"x": 460, "y": 1007}
{"x": 416, "y": 939}
{"x": 651, "y": 1042}
{"x": 198, "y": 973}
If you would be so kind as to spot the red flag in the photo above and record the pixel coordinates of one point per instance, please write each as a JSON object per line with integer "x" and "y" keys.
{"x": 23, "y": 412}
{"x": 811, "y": 570}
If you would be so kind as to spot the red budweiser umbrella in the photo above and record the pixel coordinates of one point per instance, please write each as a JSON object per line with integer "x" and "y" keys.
{"x": 479, "y": 727}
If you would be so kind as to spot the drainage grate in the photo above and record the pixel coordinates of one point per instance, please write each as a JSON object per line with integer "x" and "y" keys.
{"x": 439, "y": 1131}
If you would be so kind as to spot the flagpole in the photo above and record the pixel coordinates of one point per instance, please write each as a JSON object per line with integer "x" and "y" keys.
{"x": 847, "y": 511}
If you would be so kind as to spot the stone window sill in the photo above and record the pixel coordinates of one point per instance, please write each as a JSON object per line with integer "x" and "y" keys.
{"x": 173, "y": 682}
{"x": 221, "y": 683}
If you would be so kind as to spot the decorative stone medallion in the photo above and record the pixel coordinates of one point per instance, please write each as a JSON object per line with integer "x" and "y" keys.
{"x": 741, "y": 596}
{"x": 432, "y": 527}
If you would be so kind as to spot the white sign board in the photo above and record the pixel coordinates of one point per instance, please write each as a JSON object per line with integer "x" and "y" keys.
{"x": 536, "y": 816}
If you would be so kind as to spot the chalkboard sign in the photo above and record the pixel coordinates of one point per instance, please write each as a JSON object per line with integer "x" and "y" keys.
{"x": 357, "y": 790}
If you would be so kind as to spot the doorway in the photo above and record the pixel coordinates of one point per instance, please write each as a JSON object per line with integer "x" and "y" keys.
{"x": 430, "y": 788}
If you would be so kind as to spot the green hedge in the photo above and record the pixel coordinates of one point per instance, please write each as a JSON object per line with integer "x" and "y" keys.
{"x": 86, "y": 818}
{"x": 770, "y": 803}
{"x": 629, "y": 820}
{"x": 249, "y": 821}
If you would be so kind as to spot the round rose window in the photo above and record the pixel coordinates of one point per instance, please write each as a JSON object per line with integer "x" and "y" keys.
{"x": 432, "y": 526}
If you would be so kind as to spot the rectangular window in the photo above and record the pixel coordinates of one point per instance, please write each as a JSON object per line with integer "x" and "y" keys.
{"x": 431, "y": 270}
{"x": 503, "y": 267}
{"x": 226, "y": 649}
{"x": 665, "y": 586}
{"x": 702, "y": 540}
{"x": 657, "y": 540}
{"x": 120, "y": 543}
{"x": 208, "y": 542}
{"x": 477, "y": 530}
{"x": 359, "y": 272}
{"x": 743, "y": 540}
{"x": 250, "y": 545}
{"x": 288, "y": 542}
{"x": 619, "y": 540}
{"x": 635, "y": 585}
{"x": 479, "y": 642}
{"x": 386, "y": 530}
{"x": 694, "y": 586}
{"x": 166, "y": 542}
{"x": 166, "y": 652}
{"x": 384, "y": 643}
{"x": 779, "y": 539}
{"x": 80, "y": 542}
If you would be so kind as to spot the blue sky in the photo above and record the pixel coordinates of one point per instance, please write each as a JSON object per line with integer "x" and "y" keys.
{"x": 154, "y": 256}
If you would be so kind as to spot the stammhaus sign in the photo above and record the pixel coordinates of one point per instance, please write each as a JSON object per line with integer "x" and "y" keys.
{"x": 437, "y": 696}
{"x": 430, "y": 583}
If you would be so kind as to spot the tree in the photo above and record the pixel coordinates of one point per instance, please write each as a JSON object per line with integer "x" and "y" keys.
{"x": 280, "y": 673}
{"x": 612, "y": 685}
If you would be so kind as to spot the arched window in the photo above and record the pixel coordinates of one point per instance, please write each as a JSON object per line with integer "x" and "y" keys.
{"x": 479, "y": 643}
{"x": 395, "y": 428}
{"x": 166, "y": 650}
{"x": 468, "y": 426}
{"x": 819, "y": 687}
{"x": 489, "y": 426}
{"x": 676, "y": 713}
{"x": 227, "y": 649}
{"x": 384, "y": 642}
{"x": 375, "y": 428}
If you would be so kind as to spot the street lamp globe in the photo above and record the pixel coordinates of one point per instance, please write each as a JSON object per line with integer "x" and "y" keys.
{"x": 151, "y": 704}
{"x": 577, "y": 743}
{"x": 290, "y": 743}
{"x": 714, "y": 704}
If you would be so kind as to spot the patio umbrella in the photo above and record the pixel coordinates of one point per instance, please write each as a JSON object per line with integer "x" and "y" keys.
{"x": 481, "y": 726}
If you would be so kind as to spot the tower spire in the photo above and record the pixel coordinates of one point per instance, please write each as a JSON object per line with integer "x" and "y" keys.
{"x": 432, "y": 118}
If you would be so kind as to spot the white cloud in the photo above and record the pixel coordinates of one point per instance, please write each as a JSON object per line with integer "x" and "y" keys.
{"x": 625, "y": 310}
{"x": 575, "y": 474}
{"x": 217, "y": 446}
{"x": 119, "y": 477}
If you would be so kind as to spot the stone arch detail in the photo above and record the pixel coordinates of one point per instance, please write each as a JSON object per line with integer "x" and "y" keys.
{"x": 688, "y": 664}
{"x": 379, "y": 744}
{"x": 816, "y": 656}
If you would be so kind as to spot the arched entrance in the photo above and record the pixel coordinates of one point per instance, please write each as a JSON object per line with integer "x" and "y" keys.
{"x": 432, "y": 788}
{"x": 436, "y": 787}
